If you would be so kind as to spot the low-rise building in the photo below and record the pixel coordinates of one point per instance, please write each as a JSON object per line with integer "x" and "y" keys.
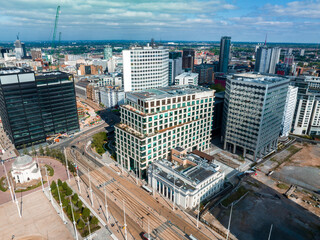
{"x": 187, "y": 78}
{"x": 25, "y": 169}
{"x": 111, "y": 97}
{"x": 187, "y": 179}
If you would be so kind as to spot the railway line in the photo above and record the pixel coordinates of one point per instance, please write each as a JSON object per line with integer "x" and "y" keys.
{"x": 177, "y": 224}
{"x": 161, "y": 228}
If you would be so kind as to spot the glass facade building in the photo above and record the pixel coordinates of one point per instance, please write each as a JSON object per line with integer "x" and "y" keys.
{"x": 34, "y": 106}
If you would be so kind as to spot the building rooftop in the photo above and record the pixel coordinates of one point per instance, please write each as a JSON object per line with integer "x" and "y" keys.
{"x": 258, "y": 78}
{"x": 13, "y": 70}
{"x": 187, "y": 176}
{"x": 167, "y": 92}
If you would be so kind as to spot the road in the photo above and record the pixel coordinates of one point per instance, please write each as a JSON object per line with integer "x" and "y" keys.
{"x": 164, "y": 222}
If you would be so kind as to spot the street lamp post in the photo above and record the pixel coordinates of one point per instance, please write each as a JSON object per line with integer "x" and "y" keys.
{"x": 106, "y": 204}
{"x": 60, "y": 204}
{"x": 74, "y": 222}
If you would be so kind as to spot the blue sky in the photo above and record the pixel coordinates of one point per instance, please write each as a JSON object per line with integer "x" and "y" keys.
{"x": 190, "y": 20}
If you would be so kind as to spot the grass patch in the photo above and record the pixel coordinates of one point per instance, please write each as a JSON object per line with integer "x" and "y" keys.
{"x": 30, "y": 187}
{"x": 50, "y": 170}
{"x": 293, "y": 150}
{"x": 235, "y": 196}
{"x": 2, "y": 188}
{"x": 273, "y": 159}
{"x": 282, "y": 186}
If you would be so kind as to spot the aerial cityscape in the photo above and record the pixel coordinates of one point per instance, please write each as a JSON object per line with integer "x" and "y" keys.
{"x": 160, "y": 120}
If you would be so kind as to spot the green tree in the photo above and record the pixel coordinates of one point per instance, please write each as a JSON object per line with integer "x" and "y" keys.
{"x": 79, "y": 204}
{"x": 33, "y": 151}
{"x": 41, "y": 151}
{"x": 85, "y": 213}
{"x": 80, "y": 225}
{"x": 53, "y": 185}
{"x": 65, "y": 202}
{"x": 69, "y": 191}
{"x": 76, "y": 216}
{"x": 94, "y": 220}
{"x": 65, "y": 186}
{"x": 75, "y": 197}
{"x": 48, "y": 152}
{"x": 25, "y": 151}
{"x": 69, "y": 210}
{"x": 59, "y": 182}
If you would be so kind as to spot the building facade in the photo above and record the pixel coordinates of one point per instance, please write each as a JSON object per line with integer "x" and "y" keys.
{"x": 157, "y": 120}
{"x": 188, "y": 57}
{"x": 225, "y": 43}
{"x": 111, "y": 97}
{"x": 34, "y": 106}
{"x": 307, "y": 112}
{"x": 25, "y": 169}
{"x": 107, "y": 52}
{"x": 186, "y": 180}
{"x": 206, "y": 73}
{"x": 187, "y": 78}
{"x": 253, "y": 111}
{"x": 175, "y": 66}
{"x": 289, "y": 111}
{"x": 267, "y": 59}
{"x": 145, "y": 68}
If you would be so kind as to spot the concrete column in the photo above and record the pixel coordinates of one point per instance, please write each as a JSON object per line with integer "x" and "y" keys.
{"x": 163, "y": 189}
{"x": 234, "y": 148}
{"x": 225, "y": 145}
{"x": 244, "y": 152}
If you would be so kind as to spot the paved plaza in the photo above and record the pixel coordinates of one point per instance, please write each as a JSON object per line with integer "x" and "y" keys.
{"x": 39, "y": 220}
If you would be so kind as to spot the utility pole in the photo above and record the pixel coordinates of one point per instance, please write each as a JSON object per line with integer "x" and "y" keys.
{"x": 106, "y": 204}
{"x": 65, "y": 157}
{"x": 9, "y": 185}
{"x": 125, "y": 224}
{"x": 198, "y": 214}
{"x": 270, "y": 232}
{"x": 60, "y": 204}
{"x": 16, "y": 201}
{"x": 90, "y": 189}
{"x": 40, "y": 174}
{"x": 74, "y": 222}
{"x": 78, "y": 178}
{"x": 49, "y": 187}
{"x": 229, "y": 222}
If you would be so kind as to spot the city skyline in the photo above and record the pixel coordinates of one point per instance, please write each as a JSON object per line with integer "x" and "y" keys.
{"x": 245, "y": 21}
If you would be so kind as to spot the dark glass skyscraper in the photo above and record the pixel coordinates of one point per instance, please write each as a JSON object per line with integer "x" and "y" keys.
{"x": 34, "y": 106}
{"x": 224, "y": 54}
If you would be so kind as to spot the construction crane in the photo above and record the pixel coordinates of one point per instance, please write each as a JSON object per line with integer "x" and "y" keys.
{"x": 59, "y": 51}
{"x": 54, "y": 32}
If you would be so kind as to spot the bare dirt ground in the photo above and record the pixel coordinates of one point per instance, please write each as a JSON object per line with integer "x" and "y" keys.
{"x": 309, "y": 155}
{"x": 253, "y": 215}
{"x": 301, "y": 195}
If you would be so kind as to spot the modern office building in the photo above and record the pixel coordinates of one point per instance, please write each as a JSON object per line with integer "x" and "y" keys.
{"x": 253, "y": 111}
{"x": 289, "y": 108}
{"x": 206, "y": 73}
{"x": 187, "y": 179}
{"x": 307, "y": 112}
{"x": 156, "y": 120}
{"x": 107, "y": 52}
{"x": 34, "y": 106}
{"x": 175, "y": 66}
{"x": 145, "y": 68}
{"x": 187, "y": 78}
{"x": 111, "y": 97}
{"x": 267, "y": 59}
{"x": 217, "y": 113}
{"x": 188, "y": 57}
{"x": 225, "y": 43}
